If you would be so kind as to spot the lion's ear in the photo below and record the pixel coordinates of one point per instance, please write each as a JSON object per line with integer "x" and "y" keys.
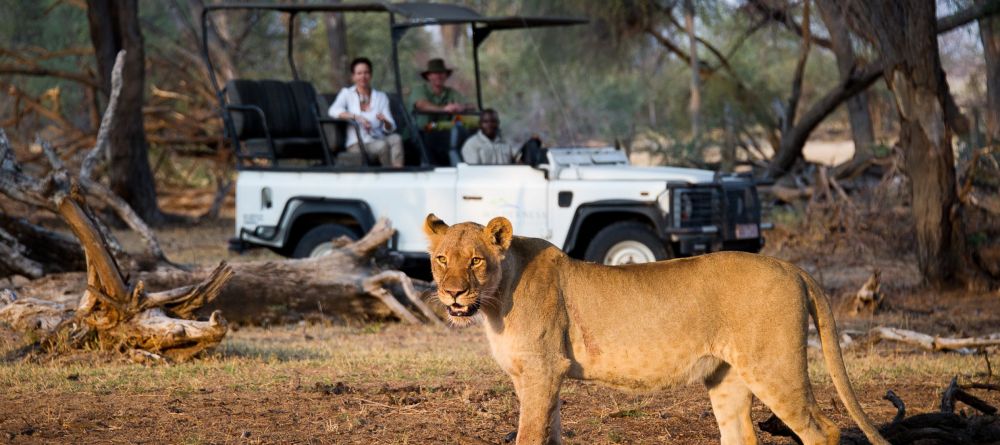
{"x": 500, "y": 232}
{"x": 434, "y": 228}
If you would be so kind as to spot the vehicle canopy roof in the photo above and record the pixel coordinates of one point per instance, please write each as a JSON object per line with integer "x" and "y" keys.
{"x": 402, "y": 16}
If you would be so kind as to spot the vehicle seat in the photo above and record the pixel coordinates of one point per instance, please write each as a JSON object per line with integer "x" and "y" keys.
{"x": 274, "y": 119}
{"x": 334, "y": 131}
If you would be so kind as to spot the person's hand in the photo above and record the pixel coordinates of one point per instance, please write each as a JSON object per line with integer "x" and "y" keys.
{"x": 381, "y": 118}
{"x": 364, "y": 123}
{"x": 454, "y": 108}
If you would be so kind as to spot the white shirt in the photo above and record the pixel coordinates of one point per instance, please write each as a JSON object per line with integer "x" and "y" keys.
{"x": 348, "y": 101}
{"x": 479, "y": 149}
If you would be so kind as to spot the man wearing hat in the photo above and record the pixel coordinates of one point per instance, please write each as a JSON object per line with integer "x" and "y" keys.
{"x": 436, "y": 97}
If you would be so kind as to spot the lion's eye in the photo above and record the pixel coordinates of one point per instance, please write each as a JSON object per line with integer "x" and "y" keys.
{"x": 477, "y": 261}
{"x": 441, "y": 259}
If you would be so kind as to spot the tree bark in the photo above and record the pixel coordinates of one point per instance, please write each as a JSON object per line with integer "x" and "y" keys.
{"x": 336, "y": 39}
{"x": 862, "y": 130}
{"x": 989, "y": 32}
{"x": 114, "y": 25}
{"x": 905, "y": 35}
{"x": 345, "y": 284}
{"x": 695, "y": 104}
{"x": 790, "y": 146}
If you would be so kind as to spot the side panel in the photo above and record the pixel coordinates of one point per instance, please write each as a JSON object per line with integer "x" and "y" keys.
{"x": 592, "y": 191}
{"x": 517, "y": 192}
{"x": 401, "y": 196}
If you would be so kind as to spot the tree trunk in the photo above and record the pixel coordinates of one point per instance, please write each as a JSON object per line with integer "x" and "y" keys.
{"x": 862, "y": 130}
{"x": 989, "y": 31}
{"x": 114, "y": 25}
{"x": 695, "y": 105}
{"x": 905, "y": 35}
{"x": 347, "y": 284}
{"x": 336, "y": 38}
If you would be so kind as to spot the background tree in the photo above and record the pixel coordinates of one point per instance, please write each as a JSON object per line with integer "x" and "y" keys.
{"x": 905, "y": 35}
{"x": 862, "y": 131}
{"x": 114, "y": 26}
{"x": 989, "y": 32}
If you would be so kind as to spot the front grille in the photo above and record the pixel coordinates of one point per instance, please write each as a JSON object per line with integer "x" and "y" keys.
{"x": 696, "y": 207}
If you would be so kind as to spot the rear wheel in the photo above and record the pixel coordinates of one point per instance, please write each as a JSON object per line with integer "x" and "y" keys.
{"x": 318, "y": 241}
{"x": 626, "y": 242}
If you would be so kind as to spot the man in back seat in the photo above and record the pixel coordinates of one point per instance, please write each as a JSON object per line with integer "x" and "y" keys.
{"x": 370, "y": 108}
{"x": 487, "y": 146}
{"x": 436, "y": 97}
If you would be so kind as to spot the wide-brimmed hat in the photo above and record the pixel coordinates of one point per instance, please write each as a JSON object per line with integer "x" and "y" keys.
{"x": 435, "y": 66}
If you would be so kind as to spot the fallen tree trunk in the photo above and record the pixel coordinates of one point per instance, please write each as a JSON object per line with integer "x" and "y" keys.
{"x": 924, "y": 341}
{"x": 347, "y": 284}
{"x": 127, "y": 318}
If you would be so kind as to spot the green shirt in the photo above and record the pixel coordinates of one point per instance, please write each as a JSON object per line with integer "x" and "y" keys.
{"x": 423, "y": 92}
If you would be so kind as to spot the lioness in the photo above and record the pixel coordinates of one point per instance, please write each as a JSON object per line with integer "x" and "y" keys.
{"x": 735, "y": 321}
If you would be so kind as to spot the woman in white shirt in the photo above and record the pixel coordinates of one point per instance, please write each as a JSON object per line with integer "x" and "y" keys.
{"x": 370, "y": 109}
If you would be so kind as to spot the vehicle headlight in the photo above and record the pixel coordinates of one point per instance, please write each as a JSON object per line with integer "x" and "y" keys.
{"x": 663, "y": 201}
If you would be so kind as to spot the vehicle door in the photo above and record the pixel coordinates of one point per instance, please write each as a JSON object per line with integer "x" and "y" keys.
{"x": 516, "y": 192}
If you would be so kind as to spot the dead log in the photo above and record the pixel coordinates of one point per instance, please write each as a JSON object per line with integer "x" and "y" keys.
{"x": 930, "y": 342}
{"x": 347, "y": 283}
{"x": 55, "y": 252}
{"x": 121, "y": 317}
{"x": 965, "y": 345}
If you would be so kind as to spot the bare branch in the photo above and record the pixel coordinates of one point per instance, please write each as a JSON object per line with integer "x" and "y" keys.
{"x": 101, "y": 146}
{"x": 800, "y": 68}
{"x": 45, "y": 72}
{"x": 395, "y": 276}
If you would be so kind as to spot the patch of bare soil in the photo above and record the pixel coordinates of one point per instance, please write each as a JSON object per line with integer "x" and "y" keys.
{"x": 457, "y": 412}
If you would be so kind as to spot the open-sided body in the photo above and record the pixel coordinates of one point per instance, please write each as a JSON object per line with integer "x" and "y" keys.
{"x": 735, "y": 321}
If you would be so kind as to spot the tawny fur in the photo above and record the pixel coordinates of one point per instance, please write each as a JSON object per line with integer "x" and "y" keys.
{"x": 735, "y": 321}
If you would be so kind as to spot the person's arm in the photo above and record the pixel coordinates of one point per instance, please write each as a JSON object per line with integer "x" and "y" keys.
{"x": 339, "y": 108}
{"x": 460, "y": 100}
{"x": 388, "y": 123}
{"x": 426, "y": 106}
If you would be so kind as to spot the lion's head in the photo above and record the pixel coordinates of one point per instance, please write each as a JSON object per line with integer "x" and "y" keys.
{"x": 465, "y": 261}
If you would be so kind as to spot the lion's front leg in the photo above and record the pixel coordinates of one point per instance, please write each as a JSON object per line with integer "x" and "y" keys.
{"x": 537, "y": 386}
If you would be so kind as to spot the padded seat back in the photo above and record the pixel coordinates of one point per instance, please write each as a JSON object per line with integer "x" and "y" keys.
{"x": 288, "y": 108}
{"x": 289, "y": 116}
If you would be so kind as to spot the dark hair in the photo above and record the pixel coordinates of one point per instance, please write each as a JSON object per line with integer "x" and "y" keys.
{"x": 359, "y": 61}
{"x": 489, "y": 111}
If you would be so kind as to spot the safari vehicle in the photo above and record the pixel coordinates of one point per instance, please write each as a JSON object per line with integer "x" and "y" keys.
{"x": 297, "y": 187}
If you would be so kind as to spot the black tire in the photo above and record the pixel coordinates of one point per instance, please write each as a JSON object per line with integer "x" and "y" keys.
{"x": 318, "y": 236}
{"x": 624, "y": 240}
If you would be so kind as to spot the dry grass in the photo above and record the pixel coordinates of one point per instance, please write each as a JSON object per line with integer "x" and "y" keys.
{"x": 390, "y": 384}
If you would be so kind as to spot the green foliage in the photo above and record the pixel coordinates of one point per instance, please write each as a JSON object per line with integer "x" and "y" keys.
{"x": 595, "y": 83}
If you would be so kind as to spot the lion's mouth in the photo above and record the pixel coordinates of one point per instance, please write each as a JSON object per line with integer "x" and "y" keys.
{"x": 458, "y": 310}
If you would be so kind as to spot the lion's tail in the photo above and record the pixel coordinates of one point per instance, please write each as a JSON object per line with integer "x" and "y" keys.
{"x": 819, "y": 307}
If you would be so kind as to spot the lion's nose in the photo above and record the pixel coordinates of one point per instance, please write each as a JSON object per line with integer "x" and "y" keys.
{"x": 455, "y": 293}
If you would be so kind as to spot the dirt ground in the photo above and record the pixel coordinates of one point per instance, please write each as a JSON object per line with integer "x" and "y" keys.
{"x": 386, "y": 383}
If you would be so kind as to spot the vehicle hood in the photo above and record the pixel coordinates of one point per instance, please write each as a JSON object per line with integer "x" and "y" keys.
{"x": 628, "y": 172}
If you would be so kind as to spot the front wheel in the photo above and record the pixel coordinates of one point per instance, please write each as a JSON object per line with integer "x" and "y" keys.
{"x": 626, "y": 242}
{"x": 318, "y": 241}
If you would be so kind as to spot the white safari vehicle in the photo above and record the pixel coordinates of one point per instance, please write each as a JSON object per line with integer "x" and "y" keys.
{"x": 298, "y": 189}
